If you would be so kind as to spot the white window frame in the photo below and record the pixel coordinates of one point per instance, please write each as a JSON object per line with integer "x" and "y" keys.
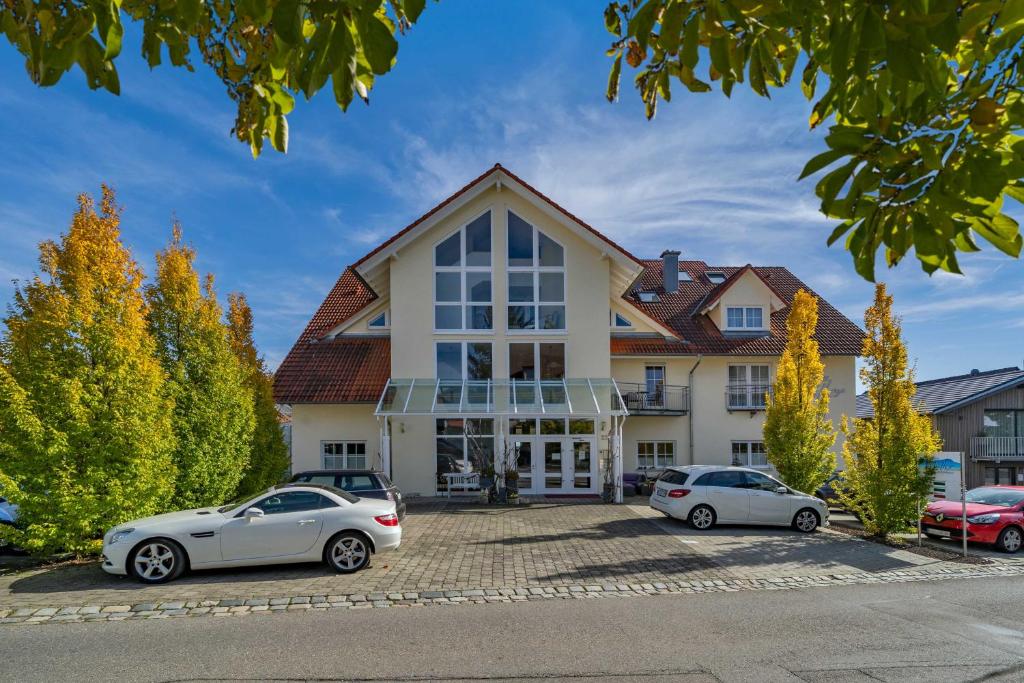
{"x": 747, "y": 385}
{"x": 464, "y": 350}
{"x": 749, "y": 443}
{"x": 536, "y": 358}
{"x": 346, "y": 444}
{"x": 659, "y": 457}
{"x": 463, "y": 270}
{"x": 745, "y": 312}
{"x": 536, "y": 269}
{"x": 387, "y": 321}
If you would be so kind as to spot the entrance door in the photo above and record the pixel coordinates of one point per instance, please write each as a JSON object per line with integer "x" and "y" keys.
{"x": 568, "y": 465}
{"x": 524, "y": 465}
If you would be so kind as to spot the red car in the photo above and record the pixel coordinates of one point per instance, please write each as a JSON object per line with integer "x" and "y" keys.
{"x": 995, "y": 515}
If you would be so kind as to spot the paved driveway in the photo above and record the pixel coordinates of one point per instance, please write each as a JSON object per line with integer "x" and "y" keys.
{"x": 452, "y": 546}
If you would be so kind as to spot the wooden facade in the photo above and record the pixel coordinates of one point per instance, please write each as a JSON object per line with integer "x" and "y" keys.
{"x": 959, "y": 426}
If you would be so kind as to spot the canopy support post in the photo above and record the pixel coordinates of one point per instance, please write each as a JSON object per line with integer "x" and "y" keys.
{"x": 617, "y": 458}
{"x": 385, "y": 446}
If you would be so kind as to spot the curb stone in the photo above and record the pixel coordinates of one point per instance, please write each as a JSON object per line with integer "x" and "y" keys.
{"x": 230, "y": 607}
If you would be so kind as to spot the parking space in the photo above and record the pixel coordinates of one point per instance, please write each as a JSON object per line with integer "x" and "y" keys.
{"x": 452, "y": 546}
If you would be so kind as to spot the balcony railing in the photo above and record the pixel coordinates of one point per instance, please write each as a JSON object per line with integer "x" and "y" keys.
{"x": 746, "y": 396}
{"x": 997, "y": 447}
{"x": 655, "y": 399}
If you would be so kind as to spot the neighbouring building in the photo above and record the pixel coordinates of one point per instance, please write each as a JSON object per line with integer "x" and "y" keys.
{"x": 500, "y": 323}
{"x": 980, "y": 414}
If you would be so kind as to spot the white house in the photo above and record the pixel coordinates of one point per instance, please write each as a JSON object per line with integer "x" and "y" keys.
{"x": 498, "y": 322}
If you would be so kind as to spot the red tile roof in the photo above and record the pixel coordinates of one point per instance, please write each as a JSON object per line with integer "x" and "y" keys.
{"x": 679, "y": 311}
{"x": 349, "y": 295}
{"x": 340, "y": 370}
{"x": 724, "y": 286}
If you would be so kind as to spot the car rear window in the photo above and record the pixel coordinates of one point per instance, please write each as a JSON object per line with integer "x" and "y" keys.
{"x": 357, "y": 482}
{"x": 322, "y": 479}
{"x": 674, "y": 477}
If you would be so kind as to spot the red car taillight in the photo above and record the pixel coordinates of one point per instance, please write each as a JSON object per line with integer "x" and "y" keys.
{"x": 678, "y": 493}
{"x": 387, "y": 520}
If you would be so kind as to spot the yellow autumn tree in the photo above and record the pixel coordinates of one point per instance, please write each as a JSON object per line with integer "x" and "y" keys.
{"x": 798, "y": 434}
{"x": 888, "y": 457}
{"x": 85, "y": 420}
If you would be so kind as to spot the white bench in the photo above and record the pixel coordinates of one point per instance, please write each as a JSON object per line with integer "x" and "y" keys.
{"x": 462, "y": 481}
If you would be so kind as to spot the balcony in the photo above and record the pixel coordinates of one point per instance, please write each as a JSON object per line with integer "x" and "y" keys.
{"x": 746, "y": 396}
{"x": 997, "y": 448}
{"x": 655, "y": 399}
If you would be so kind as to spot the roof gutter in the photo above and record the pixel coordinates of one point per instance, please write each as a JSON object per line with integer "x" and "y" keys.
{"x": 689, "y": 422}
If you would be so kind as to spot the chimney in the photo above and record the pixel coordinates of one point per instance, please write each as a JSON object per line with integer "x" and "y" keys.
{"x": 975, "y": 372}
{"x": 670, "y": 270}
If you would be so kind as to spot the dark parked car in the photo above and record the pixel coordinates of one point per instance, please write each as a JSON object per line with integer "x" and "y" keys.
{"x": 827, "y": 491}
{"x": 361, "y": 483}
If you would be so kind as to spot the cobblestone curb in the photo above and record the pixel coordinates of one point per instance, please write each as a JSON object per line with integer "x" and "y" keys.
{"x": 236, "y": 606}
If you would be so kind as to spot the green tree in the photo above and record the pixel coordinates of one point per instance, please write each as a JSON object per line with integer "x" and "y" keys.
{"x": 925, "y": 97}
{"x": 798, "y": 434}
{"x": 884, "y": 482}
{"x": 213, "y": 407}
{"x": 85, "y": 422}
{"x": 264, "y": 51}
{"x": 268, "y": 454}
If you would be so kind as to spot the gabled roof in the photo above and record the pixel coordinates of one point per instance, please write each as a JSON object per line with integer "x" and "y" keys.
{"x": 937, "y": 396}
{"x": 727, "y": 284}
{"x": 680, "y": 311}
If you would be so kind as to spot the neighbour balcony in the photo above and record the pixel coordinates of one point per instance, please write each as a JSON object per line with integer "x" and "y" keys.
{"x": 746, "y": 396}
{"x": 655, "y": 399}
{"x": 997, "y": 448}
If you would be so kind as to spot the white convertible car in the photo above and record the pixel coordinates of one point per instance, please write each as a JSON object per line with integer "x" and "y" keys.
{"x": 291, "y": 523}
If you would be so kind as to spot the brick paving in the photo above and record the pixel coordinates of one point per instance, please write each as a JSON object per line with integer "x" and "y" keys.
{"x": 454, "y": 553}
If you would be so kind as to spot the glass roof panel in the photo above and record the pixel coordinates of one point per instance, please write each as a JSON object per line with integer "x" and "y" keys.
{"x": 569, "y": 397}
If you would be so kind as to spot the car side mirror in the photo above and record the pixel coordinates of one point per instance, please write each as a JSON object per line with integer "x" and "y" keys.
{"x": 253, "y": 513}
{"x": 782, "y": 490}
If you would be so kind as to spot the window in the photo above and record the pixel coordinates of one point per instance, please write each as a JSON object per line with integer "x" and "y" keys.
{"x": 343, "y": 455}
{"x": 744, "y": 317}
{"x": 648, "y": 297}
{"x": 292, "y": 501}
{"x": 655, "y": 454}
{"x": 379, "y": 321}
{"x": 462, "y": 446}
{"x": 536, "y": 278}
{"x": 674, "y": 477}
{"x": 760, "y": 482}
{"x": 715, "y": 277}
{"x": 722, "y": 478}
{"x": 462, "y": 278}
{"x": 747, "y": 387}
{"x": 525, "y": 357}
{"x": 457, "y": 361}
{"x": 749, "y": 454}
{"x": 619, "y": 320}
{"x": 684, "y": 276}
{"x": 654, "y": 380}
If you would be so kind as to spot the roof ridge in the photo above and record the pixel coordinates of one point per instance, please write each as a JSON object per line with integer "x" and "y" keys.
{"x": 985, "y": 373}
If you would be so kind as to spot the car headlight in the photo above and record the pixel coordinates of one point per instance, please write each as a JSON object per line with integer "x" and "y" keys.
{"x": 119, "y": 535}
{"x": 990, "y": 518}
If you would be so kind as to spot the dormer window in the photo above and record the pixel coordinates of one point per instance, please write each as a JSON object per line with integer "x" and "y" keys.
{"x": 684, "y": 276}
{"x": 648, "y": 297}
{"x": 379, "y": 322}
{"x": 744, "y": 318}
{"x": 715, "y": 277}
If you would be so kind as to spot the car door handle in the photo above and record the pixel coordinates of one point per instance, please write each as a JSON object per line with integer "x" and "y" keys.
{"x": 304, "y": 522}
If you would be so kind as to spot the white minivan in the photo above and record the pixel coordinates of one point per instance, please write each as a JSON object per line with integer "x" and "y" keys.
{"x": 704, "y": 495}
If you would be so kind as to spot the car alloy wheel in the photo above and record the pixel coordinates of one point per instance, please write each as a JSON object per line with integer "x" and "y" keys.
{"x": 348, "y": 553}
{"x": 702, "y": 517}
{"x": 1010, "y": 540}
{"x": 806, "y": 521}
{"x": 156, "y": 562}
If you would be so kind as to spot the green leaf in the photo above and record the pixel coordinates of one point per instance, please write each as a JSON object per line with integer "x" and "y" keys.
{"x": 113, "y": 39}
{"x": 643, "y": 21}
{"x": 820, "y": 161}
{"x": 413, "y": 9}
{"x": 379, "y": 46}
{"x": 612, "y": 21}
{"x": 672, "y": 26}
{"x": 278, "y": 128}
{"x": 829, "y": 186}
{"x": 691, "y": 42}
{"x": 756, "y": 71}
{"x": 287, "y": 21}
{"x": 720, "y": 55}
{"x": 1002, "y": 232}
{"x": 838, "y": 232}
{"x": 613, "y": 79}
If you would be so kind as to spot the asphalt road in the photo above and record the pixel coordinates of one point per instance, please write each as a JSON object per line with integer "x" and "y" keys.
{"x": 957, "y": 630}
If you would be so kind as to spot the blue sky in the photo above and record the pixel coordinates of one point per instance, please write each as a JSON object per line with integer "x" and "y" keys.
{"x": 476, "y": 83}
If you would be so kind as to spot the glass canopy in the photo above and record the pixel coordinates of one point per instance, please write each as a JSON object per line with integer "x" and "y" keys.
{"x": 589, "y": 396}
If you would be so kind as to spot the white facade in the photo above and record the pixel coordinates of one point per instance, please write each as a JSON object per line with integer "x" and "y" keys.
{"x": 574, "y": 283}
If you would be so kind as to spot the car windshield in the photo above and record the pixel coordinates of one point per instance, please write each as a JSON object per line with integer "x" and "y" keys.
{"x": 1003, "y": 498}
{"x": 240, "y": 501}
